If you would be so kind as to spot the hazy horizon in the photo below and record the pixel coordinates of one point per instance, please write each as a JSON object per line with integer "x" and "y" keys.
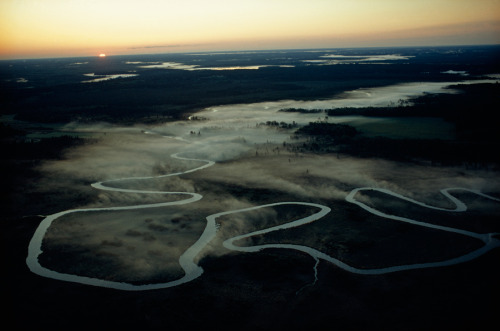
{"x": 55, "y": 29}
{"x": 243, "y": 51}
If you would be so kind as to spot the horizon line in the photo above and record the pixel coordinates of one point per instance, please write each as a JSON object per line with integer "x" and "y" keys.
{"x": 245, "y": 50}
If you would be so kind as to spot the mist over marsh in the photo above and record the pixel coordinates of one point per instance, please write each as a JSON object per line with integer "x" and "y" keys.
{"x": 255, "y": 183}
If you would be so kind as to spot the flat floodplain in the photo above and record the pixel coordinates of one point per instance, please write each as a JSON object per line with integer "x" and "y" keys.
{"x": 254, "y": 190}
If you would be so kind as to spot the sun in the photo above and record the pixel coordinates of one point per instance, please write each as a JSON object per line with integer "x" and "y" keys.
{"x": 102, "y": 55}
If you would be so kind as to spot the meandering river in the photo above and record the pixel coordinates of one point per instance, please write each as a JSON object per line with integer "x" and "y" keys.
{"x": 187, "y": 260}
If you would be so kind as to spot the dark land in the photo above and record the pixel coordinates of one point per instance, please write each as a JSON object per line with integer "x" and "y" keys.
{"x": 54, "y": 93}
{"x": 258, "y": 291}
{"x": 475, "y": 143}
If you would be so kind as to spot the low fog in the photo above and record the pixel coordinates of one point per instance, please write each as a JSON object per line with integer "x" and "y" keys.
{"x": 252, "y": 167}
{"x": 363, "y": 97}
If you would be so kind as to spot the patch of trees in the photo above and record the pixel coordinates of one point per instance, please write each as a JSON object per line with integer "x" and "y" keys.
{"x": 282, "y": 124}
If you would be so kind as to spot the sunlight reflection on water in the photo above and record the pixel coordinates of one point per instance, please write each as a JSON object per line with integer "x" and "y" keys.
{"x": 101, "y": 78}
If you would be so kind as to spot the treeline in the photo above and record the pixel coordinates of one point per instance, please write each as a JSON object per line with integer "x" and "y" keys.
{"x": 276, "y": 124}
{"x": 341, "y": 138}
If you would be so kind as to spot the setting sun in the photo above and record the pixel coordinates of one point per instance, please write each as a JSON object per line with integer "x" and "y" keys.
{"x": 32, "y": 28}
{"x": 250, "y": 164}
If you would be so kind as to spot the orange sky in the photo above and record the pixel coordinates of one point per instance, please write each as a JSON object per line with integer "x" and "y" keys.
{"x": 58, "y": 28}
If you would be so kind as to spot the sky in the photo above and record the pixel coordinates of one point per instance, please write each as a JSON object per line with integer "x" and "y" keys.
{"x": 61, "y": 28}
